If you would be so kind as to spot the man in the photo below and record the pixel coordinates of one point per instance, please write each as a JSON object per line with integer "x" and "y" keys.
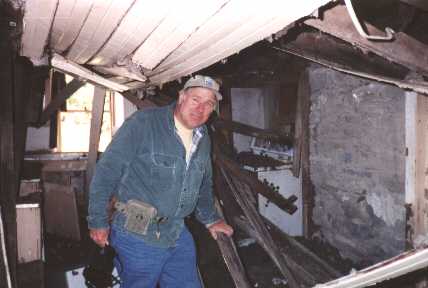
{"x": 158, "y": 167}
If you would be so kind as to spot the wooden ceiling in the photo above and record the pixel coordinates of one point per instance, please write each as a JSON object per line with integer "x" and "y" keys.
{"x": 150, "y": 42}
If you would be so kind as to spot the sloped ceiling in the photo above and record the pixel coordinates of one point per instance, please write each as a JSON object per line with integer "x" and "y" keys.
{"x": 151, "y": 41}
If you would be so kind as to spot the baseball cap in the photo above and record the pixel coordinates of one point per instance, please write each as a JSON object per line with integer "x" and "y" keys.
{"x": 204, "y": 82}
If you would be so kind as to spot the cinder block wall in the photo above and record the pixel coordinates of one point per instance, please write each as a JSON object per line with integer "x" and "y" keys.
{"x": 357, "y": 164}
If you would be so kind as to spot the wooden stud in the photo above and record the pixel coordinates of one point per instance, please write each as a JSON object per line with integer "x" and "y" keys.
{"x": 95, "y": 133}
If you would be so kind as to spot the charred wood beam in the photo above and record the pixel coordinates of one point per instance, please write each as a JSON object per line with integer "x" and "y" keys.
{"x": 257, "y": 186}
{"x": 245, "y": 201}
{"x": 248, "y": 130}
{"x": 404, "y": 50}
{"x": 336, "y": 54}
{"x": 59, "y": 100}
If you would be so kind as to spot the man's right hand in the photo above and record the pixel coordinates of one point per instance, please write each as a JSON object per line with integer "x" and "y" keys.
{"x": 100, "y": 236}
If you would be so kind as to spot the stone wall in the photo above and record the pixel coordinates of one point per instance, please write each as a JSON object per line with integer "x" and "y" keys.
{"x": 357, "y": 164}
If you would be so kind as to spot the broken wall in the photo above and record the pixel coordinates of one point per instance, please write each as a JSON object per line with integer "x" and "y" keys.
{"x": 357, "y": 164}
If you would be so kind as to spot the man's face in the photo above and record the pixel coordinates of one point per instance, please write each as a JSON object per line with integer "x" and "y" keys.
{"x": 195, "y": 106}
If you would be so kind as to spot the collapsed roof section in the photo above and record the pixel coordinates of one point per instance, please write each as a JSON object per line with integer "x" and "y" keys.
{"x": 151, "y": 42}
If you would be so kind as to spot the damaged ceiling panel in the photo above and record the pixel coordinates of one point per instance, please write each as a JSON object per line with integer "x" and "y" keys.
{"x": 151, "y": 41}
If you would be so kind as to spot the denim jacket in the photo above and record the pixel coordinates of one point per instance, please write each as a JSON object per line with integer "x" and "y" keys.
{"x": 146, "y": 161}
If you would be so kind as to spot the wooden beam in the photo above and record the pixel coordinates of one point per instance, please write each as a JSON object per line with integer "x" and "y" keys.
{"x": 246, "y": 200}
{"x": 95, "y": 133}
{"x": 333, "y": 54}
{"x": 403, "y": 50}
{"x": 303, "y": 275}
{"x": 249, "y": 130}
{"x": 254, "y": 183}
{"x": 307, "y": 192}
{"x": 69, "y": 67}
{"x": 417, "y": 167}
{"x": 59, "y": 100}
{"x": 231, "y": 256}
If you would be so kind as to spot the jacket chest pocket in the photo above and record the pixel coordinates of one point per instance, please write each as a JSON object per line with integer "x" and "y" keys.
{"x": 197, "y": 175}
{"x": 163, "y": 171}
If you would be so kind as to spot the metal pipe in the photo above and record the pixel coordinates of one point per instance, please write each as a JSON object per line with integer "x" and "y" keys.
{"x": 389, "y": 32}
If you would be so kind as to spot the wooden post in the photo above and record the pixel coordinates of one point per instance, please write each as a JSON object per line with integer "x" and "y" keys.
{"x": 95, "y": 133}
{"x": 416, "y": 171}
{"x": 307, "y": 195}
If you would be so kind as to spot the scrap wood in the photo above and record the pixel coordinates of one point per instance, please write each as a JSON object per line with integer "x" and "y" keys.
{"x": 295, "y": 245}
{"x": 249, "y": 130}
{"x": 239, "y": 191}
{"x": 251, "y": 180}
{"x": 231, "y": 257}
{"x": 303, "y": 275}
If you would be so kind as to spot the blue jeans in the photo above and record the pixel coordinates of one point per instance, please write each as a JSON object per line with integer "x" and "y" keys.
{"x": 142, "y": 266}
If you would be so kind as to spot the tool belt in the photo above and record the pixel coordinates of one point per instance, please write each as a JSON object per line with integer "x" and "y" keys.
{"x": 139, "y": 215}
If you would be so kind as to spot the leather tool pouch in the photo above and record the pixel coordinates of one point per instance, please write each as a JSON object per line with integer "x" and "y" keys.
{"x": 138, "y": 216}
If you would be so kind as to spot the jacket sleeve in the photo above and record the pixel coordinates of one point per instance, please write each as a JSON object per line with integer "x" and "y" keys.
{"x": 205, "y": 210}
{"x": 109, "y": 170}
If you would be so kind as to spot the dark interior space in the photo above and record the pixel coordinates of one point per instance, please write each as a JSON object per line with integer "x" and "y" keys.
{"x": 318, "y": 146}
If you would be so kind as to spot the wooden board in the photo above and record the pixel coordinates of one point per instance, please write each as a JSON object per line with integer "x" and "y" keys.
{"x": 174, "y": 30}
{"x": 60, "y": 211}
{"x": 29, "y": 232}
{"x": 100, "y": 23}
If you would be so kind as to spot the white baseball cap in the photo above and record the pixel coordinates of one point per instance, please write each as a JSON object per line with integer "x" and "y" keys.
{"x": 204, "y": 82}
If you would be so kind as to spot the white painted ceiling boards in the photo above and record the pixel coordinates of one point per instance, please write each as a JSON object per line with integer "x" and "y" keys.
{"x": 152, "y": 40}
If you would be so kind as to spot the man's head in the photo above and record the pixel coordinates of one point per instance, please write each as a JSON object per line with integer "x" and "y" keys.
{"x": 197, "y": 100}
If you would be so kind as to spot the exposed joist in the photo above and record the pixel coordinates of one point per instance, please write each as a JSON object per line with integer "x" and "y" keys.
{"x": 59, "y": 100}
{"x": 330, "y": 53}
{"x": 69, "y": 67}
{"x": 403, "y": 50}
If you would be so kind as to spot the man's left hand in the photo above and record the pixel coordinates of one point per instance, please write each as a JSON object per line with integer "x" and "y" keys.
{"x": 220, "y": 227}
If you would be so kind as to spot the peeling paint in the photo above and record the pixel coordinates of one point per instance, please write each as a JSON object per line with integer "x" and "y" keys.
{"x": 386, "y": 208}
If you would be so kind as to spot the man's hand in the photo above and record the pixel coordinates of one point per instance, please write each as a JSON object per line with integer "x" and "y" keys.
{"x": 100, "y": 236}
{"x": 220, "y": 226}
